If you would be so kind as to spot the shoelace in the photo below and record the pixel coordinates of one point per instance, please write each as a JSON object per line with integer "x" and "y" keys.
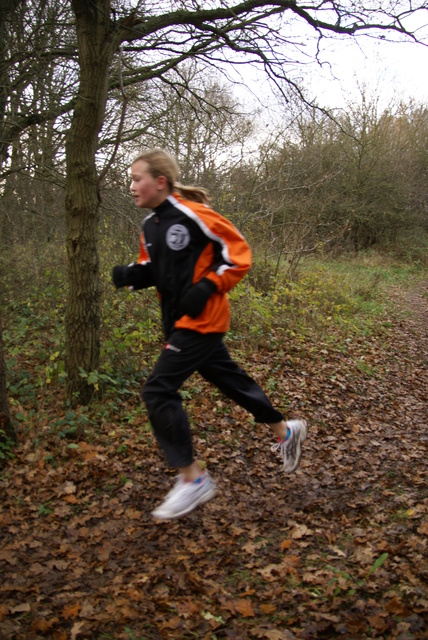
{"x": 287, "y": 447}
{"x": 280, "y": 444}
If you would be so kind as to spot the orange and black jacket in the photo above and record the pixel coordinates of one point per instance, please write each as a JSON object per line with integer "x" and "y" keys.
{"x": 182, "y": 242}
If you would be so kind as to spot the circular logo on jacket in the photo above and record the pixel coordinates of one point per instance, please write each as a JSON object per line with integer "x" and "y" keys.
{"x": 177, "y": 237}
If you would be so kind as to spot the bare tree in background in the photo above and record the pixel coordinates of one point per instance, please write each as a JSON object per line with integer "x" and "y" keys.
{"x": 6, "y": 10}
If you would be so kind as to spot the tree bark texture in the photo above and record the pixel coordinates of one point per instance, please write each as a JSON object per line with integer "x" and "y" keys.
{"x": 7, "y": 431}
{"x": 96, "y": 48}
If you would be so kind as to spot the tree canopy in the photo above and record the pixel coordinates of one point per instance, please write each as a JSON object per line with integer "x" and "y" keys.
{"x": 152, "y": 38}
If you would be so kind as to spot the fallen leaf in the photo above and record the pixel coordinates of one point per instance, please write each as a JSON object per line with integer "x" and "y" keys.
{"x": 396, "y": 607}
{"x": 363, "y": 554}
{"x": 300, "y": 531}
{"x": 71, "y": 611}
{"x": 60, "y": 565}
{"x": 338, "y": 551}
{"x": 250, "y": 548}
{"x": 273, "y": 634}
{"x": 42, "y": 625}
{"x": 378, "y": 622}
{"x": 76, "y": 629}
{"x": 245, "y": 608}
{"x": 186, "y": 609}
{"x": 172, "y": 623}
{"x": 69, "y": 487}
{"x": 25, "y": 607}
{"x": 276, "y": 571}
{"x": 268, "y": 608}
{"x": 8, "y": 557}
{"x": 423, "y": 529}
{"x": 285, "y": 544}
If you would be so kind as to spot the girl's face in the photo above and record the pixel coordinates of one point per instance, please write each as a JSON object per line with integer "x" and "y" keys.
{"x": 148, "y": 191}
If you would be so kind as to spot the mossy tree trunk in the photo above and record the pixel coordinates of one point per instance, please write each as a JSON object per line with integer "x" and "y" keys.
{"x": 96, "y": 45}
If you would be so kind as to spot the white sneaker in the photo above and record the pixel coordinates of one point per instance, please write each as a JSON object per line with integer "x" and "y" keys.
{"x": 291, "y": 448}
{"x": 186, "y": 496}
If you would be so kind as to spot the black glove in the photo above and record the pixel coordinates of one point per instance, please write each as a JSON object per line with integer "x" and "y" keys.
{"x": 194, "y": 300}
{"x": 135, "y": 275}
{"x": 120, "y": 276}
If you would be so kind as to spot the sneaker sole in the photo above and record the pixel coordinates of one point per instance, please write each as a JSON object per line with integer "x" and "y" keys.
{"x": 203, "y": 498}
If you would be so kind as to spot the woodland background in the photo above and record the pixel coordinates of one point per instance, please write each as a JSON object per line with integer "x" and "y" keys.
{"x": 331, "y": 321}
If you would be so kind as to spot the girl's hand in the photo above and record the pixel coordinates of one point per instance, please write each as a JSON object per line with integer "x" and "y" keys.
{"x": 194, "y": 300}
{"x": 119, "y": 276}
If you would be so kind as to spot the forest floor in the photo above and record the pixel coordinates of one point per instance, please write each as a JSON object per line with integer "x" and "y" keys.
{"x": 336, "y": 550}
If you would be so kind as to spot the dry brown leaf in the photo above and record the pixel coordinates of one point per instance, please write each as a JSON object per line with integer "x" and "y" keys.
{"x": 245, "y": 608}
{"x": 423, "y": 529}
{"x": 278, "y": 634}
{"x": 8, "y": 557}
{"x": 24, "y": 607}
{"x": 285, "y": 544}
{"x": 76, "y": 629}
{"x": 70, "y": 499}
{"x": 69, "y": 487}
{"x": 42, "y": 625}
{"x": 299, "y": 531}
{"x": 363, "y": 554}
{"x": 273, "y": 634}
{"x": 378, "y": 622}
{"x": 268, "y": 608}
{"x": 71, "y": 611}
{"x": 250, "y": 548}
{"x": 173, "y": 623}
{"x": 186, "y": 609}
{"x": 396, "y": 607}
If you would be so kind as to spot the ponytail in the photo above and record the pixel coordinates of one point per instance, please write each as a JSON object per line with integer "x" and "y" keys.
{"x": 190, "y": 192}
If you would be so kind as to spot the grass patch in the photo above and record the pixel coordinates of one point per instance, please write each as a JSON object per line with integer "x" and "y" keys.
{"x": 349, "y": 297}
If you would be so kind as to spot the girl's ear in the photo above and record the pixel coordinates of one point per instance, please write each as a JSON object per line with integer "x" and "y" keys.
{"x": 162, "y": 183}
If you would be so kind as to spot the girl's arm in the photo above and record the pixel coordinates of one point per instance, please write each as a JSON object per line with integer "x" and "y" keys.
{"x": 232, "y": 257}
{"x": 138, "y": 275}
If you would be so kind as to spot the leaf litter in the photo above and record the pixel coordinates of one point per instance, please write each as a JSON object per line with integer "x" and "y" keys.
{"x": 339, "y": 549}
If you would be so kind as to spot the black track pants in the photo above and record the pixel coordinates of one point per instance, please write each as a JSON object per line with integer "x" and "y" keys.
{"x": 187, "y": 352}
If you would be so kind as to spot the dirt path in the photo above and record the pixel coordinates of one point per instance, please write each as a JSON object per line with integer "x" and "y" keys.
{"x": 414, "y": 304}
{"x": 339, "y": 549}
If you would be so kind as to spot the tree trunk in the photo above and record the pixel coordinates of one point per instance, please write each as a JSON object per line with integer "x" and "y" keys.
{"x": 7, "y": 432}
{"x": 96, "y": 49}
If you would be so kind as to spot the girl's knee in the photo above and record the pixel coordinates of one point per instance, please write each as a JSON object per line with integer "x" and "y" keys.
{"x": 149, "y": 396}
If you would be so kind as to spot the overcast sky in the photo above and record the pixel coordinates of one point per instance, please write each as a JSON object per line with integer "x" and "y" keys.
{"x": 391, "y": 70}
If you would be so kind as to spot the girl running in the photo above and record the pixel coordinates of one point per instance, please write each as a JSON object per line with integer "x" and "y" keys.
{"x": 193, "y": 256}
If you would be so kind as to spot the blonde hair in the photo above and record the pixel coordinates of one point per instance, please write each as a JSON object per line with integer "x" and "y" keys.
{"x": 161, "y": 163}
